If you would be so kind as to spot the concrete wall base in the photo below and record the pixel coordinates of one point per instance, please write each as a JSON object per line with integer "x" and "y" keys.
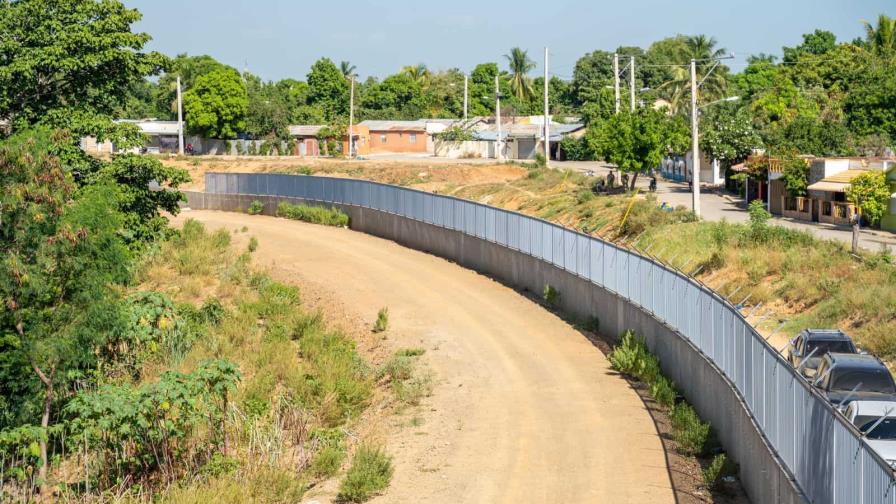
{"x": 700, "y": 381}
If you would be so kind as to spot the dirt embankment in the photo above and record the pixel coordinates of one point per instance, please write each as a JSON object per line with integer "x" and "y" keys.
{"x": 525, "y": 409}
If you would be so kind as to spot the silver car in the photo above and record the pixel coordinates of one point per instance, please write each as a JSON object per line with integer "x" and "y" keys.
{"x": 877, "y": 422}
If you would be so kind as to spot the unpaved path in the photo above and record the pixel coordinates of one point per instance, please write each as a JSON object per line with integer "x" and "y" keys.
{"x": 524, "y": 409}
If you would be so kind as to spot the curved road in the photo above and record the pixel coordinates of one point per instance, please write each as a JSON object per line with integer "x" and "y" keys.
{"x": 525, "y": 408}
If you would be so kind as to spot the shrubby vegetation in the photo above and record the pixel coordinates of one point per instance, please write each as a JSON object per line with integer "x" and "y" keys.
{"x": 313, "y": 214}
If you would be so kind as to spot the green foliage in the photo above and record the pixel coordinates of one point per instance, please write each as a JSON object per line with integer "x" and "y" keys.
{"x": 794, "y": 174}
{"x": 720, "y": 467}
{"x": 455, "y": 133}
{"x": 148, "y": 188}
{"x": 138, "y": 431}
{"x": 692, "y": 435}
{"x": 217, "y": 104}
{"x": 551, "y": 295}
{"x": 253, "y": 244}
{"x": 576, "y": 149}
{"x": 313, "y": 214}
{"x": 870, "y": 193}
{"x": 369, "y": 474}
{"x": 759, "y": 216}
{"x": 646, "y": 214}
{"x": 328, "y": 90}
{"x": 256, "y": 207}
{"x": 71, "y": 56}
{"x": 520, "y": 65}
{"x": 382, "y": 320}
{"x": 637, "y": 142}
{"x": 728, "y": 134}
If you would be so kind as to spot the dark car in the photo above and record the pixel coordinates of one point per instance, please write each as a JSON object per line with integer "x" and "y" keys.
{"x": 844, "y": 378}
{"x": 812, "y": 345}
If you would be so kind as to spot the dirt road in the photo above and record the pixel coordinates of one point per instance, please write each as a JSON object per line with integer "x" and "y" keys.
{"x": 524, "y": 409}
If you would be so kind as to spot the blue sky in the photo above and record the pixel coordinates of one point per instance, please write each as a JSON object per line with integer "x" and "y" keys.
{"x": 279, "y": 38}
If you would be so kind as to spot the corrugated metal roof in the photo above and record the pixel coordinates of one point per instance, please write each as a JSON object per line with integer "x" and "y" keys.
{"x": 558, "y": 131}
{"x": 419, "y": 125}
{"x": 304, "y": 129}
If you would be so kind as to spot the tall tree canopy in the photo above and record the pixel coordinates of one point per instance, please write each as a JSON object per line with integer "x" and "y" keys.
{"x": 520, "y": 65}
{"x": 217, "y": 104}
{"x": 73, "y": 55}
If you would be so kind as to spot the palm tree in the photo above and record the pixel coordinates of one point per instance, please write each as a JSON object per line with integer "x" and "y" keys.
{"x": 418, "y": 72}
{"x": 348, "y": 70}
{"x": 882, "y": 38}
{"x": 702, "y": 49}
{"x": 520, "y": 66}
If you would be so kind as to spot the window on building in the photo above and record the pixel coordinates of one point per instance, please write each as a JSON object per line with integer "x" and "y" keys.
{"x": 382, "y": 138}
{"x": 413, "y": 138}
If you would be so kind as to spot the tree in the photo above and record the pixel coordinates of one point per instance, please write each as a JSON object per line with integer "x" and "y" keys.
{"x": 881, "y": 38}
{"x": 870, "y": 107}
{"x": 870, "y": 194}
{"x": 817, "y": 43}
{"x": 444, "y": 94}
{"x": 61, "y": 252}
{"x": 728, "y": 134}
{"x": 347, "y": 69}
{"x": 418, "y": 73}
{"x": 269, "y": 108}
{"x": 637, "y": 142}
{"x": 188, "y": 68}
{"x": 482, "y": 88}
{"x": 592, "y": 73}
{"x": 520, "y": 65}
{"x": 328, "y": 90}
{"x": 217, "y": 104}
{"x": 794, "y": 173}
{"x": 73, "y": 55}
{"x": 399, "y": 96}
{"x": 703, "y": 49}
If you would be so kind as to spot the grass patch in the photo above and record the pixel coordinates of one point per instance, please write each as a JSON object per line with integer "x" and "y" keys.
{"x": 253, "y": 244}
{"x": 382, "y": 320}
{"x": 369, "y": 474}
{"x": 551, "y": 296}
{"x": 313, "y": 214}
{"x": 409, "y": 384}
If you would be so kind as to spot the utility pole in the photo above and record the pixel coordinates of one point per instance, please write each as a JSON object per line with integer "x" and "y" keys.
{"x": 180, "y": 121}
{"x": 631, "y": 80}
{"x": 351, "y": 119}
{"x": 547, "y": 114}
{"x": 466, "y": 99}
{"x": 616, "y": 79}
{"x": 695, "y": 159}
{"x": 499, "y": 155}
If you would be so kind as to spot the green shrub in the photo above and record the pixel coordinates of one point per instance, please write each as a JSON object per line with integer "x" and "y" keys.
{"x": 720, "y": 467}
{"x": 369, "y": 475}
{"x": 330, "y": 452}
{"x": 759, "y": 216}
{"x": 382, "y": 320}
{"x": 253, "y": 244}
{"x": 663, "y": 391}
{"x": 256, "y": 207}
{"x": 213, "y": 311}
{"x": 551, "y": 296}
{"x": 312, "y": 214}
{"x": 692, "y": 434}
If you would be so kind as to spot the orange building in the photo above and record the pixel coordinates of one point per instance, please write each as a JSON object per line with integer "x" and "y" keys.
{"x": 392, "y": 137}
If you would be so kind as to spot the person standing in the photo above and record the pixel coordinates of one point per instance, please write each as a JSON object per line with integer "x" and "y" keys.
{"x": 611, "y": 180}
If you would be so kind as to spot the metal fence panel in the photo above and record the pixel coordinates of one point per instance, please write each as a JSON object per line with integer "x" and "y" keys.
{"x": 827, "y": 458}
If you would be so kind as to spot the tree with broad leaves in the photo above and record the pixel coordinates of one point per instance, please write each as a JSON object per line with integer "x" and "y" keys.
{"x": 217, "y": 104}
{"x": 636, "y": 143}
{"x": 69, "y": 55}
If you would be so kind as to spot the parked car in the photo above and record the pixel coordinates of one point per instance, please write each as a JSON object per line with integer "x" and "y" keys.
{"x": 877, "y": 422}
{"x": 812, "y": 345}
{"x": 844, "y": 377}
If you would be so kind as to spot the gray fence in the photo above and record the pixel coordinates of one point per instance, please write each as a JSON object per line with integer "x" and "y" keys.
{"x": 824, "y": 455}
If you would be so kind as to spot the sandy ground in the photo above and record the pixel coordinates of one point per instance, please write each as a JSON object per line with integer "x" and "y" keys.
{"x": 525, "y": 408}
